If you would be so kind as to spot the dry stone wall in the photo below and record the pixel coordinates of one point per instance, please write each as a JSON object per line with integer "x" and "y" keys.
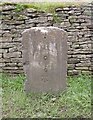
{"x": 75, "y": 20}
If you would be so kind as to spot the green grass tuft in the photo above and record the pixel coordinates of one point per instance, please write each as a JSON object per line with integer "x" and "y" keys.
{"x": 47, "y": 6}
{"x": 43, "y": 6}
{"x": 75, "y": 101}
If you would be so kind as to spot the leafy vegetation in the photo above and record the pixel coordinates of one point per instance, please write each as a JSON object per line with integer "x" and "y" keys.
{"x": 48, "y": 7}
{"x": 42, "y": 6}
{"x": 75, "y": 101}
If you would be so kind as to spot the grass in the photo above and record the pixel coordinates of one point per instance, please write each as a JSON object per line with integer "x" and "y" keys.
{"x": 43, "y": 6}
{"x": 75, "y": 101}
{"x": 48, "y": 7}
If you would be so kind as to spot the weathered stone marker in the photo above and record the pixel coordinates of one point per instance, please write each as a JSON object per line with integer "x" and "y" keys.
{"x": 45, "y": 59}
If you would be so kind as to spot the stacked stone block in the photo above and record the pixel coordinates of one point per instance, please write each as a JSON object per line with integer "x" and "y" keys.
{"x": 76, "y": 20}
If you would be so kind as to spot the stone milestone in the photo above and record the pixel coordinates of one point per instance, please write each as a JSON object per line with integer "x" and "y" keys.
{"x": 45, "y": 59}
